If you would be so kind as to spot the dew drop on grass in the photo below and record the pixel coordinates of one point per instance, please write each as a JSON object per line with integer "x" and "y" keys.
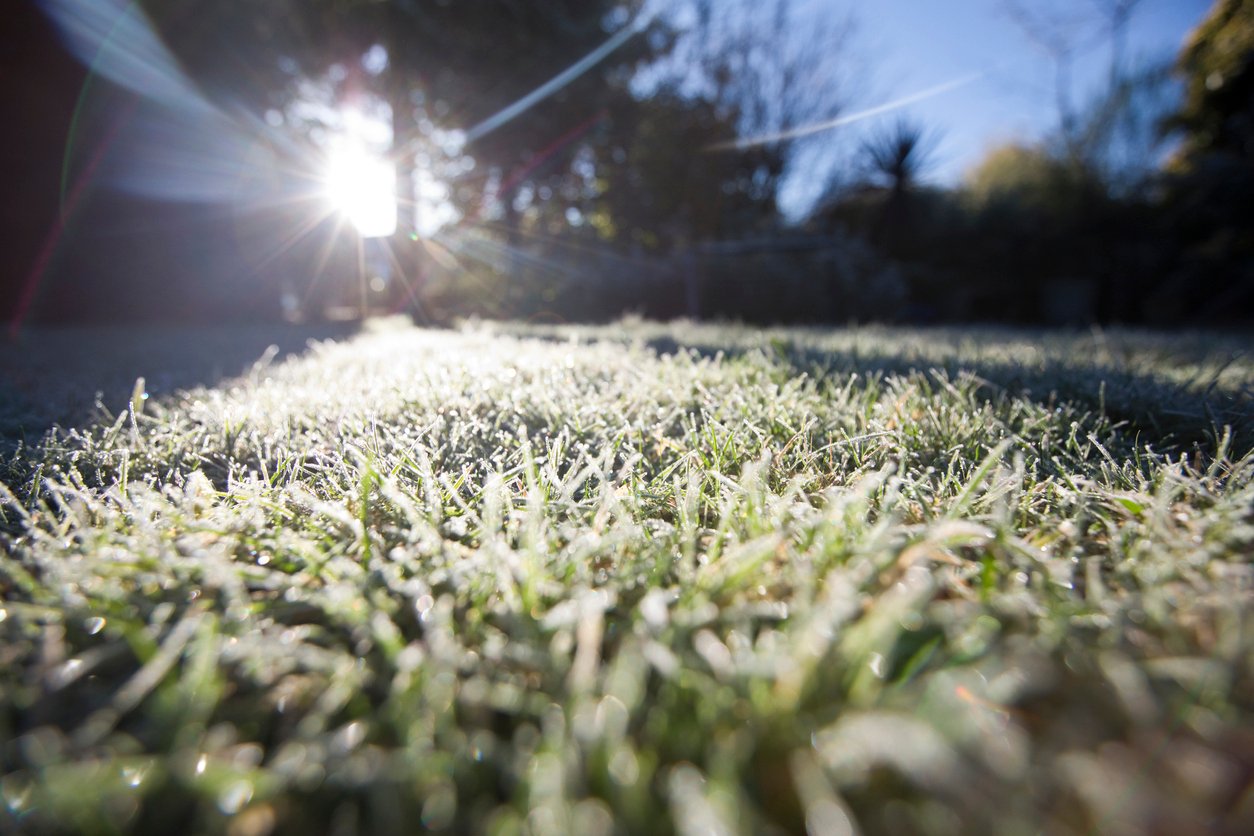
{"x": 68, "y": 672}
{"x": 201, "y": 763}
{"x": 134, "y": 775}
{"x": 349, "y": 737}
{"x": 876, "y": 664}
{"x": 16, "y": 795}
{"x": 232, "y": 799}
{"x": 92, "y": 625}
{"x": 423, "y": 605}
{"x": 912, "y": 621}
{"x": 3, "y": 613}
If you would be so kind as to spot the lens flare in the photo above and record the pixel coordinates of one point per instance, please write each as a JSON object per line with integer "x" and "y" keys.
{"x": 839, "y": 121}
{"x": 361, "y": 186}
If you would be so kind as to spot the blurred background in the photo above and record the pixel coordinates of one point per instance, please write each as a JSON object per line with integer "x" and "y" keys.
{"x": 768, "y": 161}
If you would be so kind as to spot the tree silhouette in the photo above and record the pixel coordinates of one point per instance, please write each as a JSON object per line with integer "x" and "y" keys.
{"x": 1211, "y": 205}
{"x": 894, "y": 159}
{"x": 899, "y": 155}
{"x": 1217, "y": 65}
{"x": 1064, "y": 32}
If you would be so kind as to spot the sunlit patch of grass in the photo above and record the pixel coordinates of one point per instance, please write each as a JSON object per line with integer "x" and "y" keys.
{"x": 643, "y": 578}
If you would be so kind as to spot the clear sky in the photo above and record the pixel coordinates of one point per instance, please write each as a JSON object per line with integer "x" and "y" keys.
{"x": 906, "y": 46}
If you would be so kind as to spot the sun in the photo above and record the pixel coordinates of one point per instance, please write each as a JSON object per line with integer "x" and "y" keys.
{"x": 361, "y": 187}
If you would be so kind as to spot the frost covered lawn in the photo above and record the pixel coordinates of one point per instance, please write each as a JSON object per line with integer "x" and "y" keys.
{"x": 644, "y": 578}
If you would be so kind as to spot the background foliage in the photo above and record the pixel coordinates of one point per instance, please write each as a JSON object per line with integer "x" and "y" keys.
{"x": 650, "y": 182}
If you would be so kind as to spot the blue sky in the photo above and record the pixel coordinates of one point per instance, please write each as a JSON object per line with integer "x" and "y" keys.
{"x": 905, "y": 46}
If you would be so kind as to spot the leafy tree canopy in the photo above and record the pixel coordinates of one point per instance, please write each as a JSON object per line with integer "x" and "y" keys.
{"x": 1028, "y": 176}
{"x": 1217, "y": 64}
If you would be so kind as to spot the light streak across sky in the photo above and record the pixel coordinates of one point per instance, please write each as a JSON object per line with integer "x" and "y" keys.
{"x": 560, "y": 80}
{"x": 115, "y": 40}
{"x": 848, "y": 119}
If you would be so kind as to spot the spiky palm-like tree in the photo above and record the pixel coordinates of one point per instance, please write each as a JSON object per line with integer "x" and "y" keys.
{"x": 899, "y": 155}
{"x": 897, "y": 158}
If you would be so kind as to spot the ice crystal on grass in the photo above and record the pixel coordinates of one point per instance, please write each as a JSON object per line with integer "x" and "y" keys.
{"x": 642, "y": 577}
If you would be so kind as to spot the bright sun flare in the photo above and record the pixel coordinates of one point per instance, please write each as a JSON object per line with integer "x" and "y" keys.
{"x": 361, "y": 186}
